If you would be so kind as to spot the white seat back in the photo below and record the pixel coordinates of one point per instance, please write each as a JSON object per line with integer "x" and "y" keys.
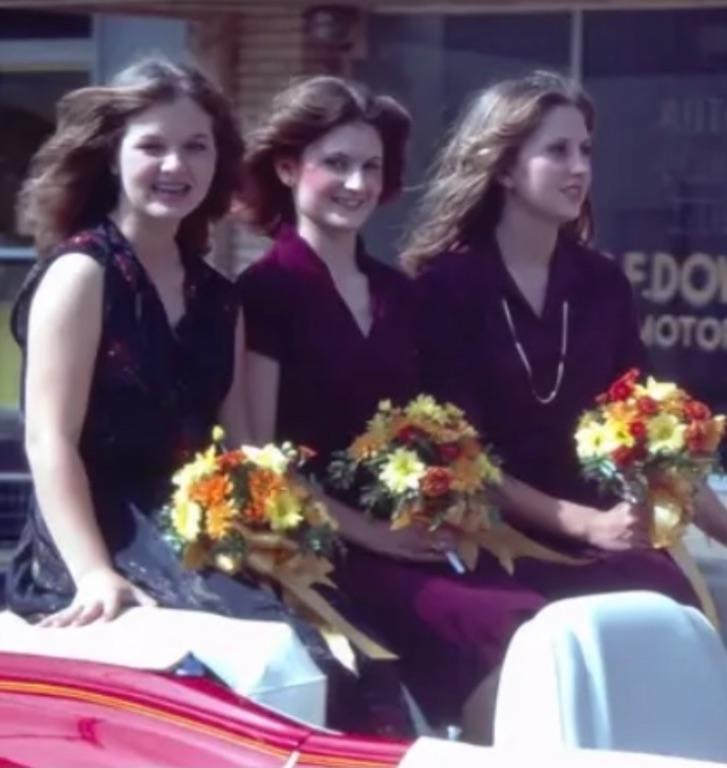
{"x": 630, "y": 671}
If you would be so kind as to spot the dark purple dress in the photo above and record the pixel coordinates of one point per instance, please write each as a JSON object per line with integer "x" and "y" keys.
{"x": 154, "y": 398}
{"x": 469, "y": 357}
{"x": 449, "y": 631}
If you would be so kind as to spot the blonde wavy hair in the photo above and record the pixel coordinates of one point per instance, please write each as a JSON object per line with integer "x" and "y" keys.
{"x": 464, "y": 195}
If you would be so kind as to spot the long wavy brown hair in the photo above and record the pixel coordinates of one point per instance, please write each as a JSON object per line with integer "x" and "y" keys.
{"x": 70, "y": 184}
{"x": 464, "y": 196}
{"x": 299, "y": 115}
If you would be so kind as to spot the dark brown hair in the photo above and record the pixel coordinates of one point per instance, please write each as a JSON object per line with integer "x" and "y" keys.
{"x": 464, "y": 194}
{"x": 298, "y": 116}
{"x": 70, "y": 184}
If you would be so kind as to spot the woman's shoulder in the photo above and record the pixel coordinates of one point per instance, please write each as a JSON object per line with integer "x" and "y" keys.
{"x": 268, "y": 266}
{"x": 96, "y": 242}
{"x": 211, "y": 275}
{"x": 74, "y": 280}
{"x": 387, "y": 273}
{"x": 598, "y": 267}
{"x": 448, "y": 274}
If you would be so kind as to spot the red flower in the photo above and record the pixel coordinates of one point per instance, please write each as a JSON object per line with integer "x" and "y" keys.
{"x": 647, "y": 406}
{"x": 623, "y": 388}
{"x": 437, "y": 481}
{"x": 449, "y": 452}
{"x": 622, "y": 456}
{"x": 696, "y": 411}
{"x": 409, "y": 434}
{"x": 230, "y": 460}
{"x": 638, "y": 429}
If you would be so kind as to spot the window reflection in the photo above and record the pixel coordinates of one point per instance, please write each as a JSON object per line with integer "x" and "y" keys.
{"x": 434, "y": 63}
{"x": 661, "y": 179}
{"x": 27, "y": 109}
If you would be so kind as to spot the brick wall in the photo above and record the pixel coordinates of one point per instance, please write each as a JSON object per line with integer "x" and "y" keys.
{"x": 270, "y": 54}
{"x": 252, "y": 55}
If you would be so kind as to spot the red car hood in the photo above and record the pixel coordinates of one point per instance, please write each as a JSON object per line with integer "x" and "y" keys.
{"x": 57, "y": 712}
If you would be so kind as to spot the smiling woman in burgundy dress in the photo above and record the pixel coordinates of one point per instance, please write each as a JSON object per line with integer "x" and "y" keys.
{"x": 330, "y": 333}
{"x": 522, "y": 324}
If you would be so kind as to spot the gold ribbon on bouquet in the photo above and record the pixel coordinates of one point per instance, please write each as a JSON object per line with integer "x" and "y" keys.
{"x": 477, "y": 530}
{"x": 277, "y": 558}
{"x": 670, "y": 500}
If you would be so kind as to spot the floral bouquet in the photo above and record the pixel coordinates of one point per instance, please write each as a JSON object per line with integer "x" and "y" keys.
{"x": 243, "y": 510}
{"x": 424, "y": 464}
{"x": 653, "y": 445}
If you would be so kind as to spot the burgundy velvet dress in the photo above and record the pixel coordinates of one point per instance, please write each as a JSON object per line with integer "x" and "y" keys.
{"x": 448, "y": 630}
{"x": 469, "y": 357}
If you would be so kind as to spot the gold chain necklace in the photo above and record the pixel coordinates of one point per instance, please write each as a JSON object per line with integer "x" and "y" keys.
{"x": 524, "y": 358}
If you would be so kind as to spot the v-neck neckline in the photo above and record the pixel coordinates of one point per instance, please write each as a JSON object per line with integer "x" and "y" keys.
{"x": 144, "y": 283}
{"x": 554, "y": 294}
{"x": 303, "y": 254}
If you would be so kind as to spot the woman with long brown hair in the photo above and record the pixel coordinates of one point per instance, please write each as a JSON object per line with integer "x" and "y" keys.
{"x": 523, "y": 324}
{"x": 131, "y": 344}
{"x": 330, "y": 333}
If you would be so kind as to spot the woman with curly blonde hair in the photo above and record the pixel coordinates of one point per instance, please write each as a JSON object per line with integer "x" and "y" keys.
{"x": 523, "y": 324}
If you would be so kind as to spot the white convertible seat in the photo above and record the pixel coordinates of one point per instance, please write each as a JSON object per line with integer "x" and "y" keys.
{"x": 434, "y": 753}
{"x": 711, "y": 558}
{"x": 631, "y": 671}
{"x": 262, "y": 660}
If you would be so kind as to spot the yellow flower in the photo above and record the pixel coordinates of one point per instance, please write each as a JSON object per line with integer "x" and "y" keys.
{"x": 491, "y": 474}
{"x": 402, "y": 471}
{"x": 666, "y": 434}
{"x": 425, "y": 407}
{"x": 203, "y": 464}
{"x": 186, "y": 517}
{"x": 596, "y": 440}
{"x": 219, "y": 520}
{"x": 620, "y": 432}
{"x": 268, "y": 457}
{"x": 218, "y": 434}
{"x": 366, "y": 445}
{"x": 660, "y": 390}
{"x": 283, "y": 511}
{"x": 470, "y": 474}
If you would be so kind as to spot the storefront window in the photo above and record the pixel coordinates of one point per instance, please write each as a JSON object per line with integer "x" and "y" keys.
{"x": 434, "y": 63}
{"x": 27, "y": 104}
{"x": 42, "y": 56}
{"x": 661, "y": 179}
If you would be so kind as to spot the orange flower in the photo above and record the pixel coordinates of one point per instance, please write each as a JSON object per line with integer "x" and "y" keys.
{"x": 703, "y": 437}
{"x": 218, "y": 520}
{"x": 436, "y": 481}
{"x": 263, "y": 485}
{"x": 210, "y": 491}
{"x": 364, "y": 446}
{"x": 230, "y": 460}
{"x": 471, "y": 447}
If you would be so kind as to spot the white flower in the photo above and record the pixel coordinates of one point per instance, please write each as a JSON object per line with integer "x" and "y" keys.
{"x": 268, "y": 457}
